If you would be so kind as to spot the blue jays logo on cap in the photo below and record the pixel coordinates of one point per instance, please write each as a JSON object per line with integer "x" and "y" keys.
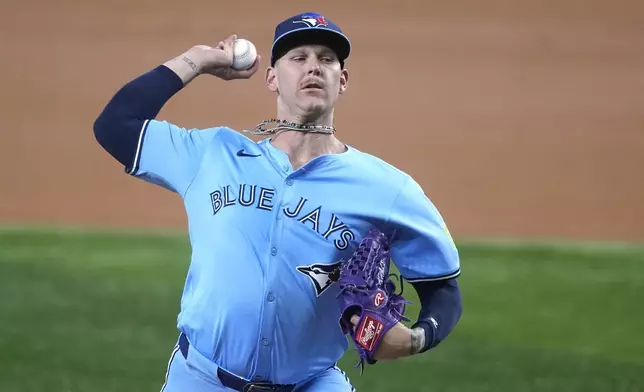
{"x": 313, "y": 20}
{"x": 309, "y": 28}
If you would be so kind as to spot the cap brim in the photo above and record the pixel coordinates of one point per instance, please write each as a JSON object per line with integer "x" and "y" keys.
{"x": 336, "y": 41}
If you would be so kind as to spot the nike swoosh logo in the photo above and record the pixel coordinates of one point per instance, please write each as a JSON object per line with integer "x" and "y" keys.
{"x": 241, "y": 153}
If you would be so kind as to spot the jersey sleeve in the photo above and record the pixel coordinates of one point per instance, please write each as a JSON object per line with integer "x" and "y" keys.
{"x": 168, "y": 155}
{"x": 422, "y": 247}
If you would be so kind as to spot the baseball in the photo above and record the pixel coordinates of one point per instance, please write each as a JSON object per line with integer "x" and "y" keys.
{"x": 244, "y": 54}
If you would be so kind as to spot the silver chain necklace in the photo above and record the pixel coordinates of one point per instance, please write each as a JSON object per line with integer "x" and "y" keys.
{"x": 265, "y": 128}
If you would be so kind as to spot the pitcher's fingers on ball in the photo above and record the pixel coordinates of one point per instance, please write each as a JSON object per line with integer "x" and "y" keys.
{"x": 244, "y": 54}
{"x": 229, "y": 41}
{"x": 247, "y": 73}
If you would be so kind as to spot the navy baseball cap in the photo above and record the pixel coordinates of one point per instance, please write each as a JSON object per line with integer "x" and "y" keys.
{"x": 309, "y": 28}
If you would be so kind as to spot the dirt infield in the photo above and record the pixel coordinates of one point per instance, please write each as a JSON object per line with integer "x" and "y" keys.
{"x": 519, "y": 120}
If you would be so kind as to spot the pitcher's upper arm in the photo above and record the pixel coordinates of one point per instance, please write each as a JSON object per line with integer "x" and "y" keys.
{"x": 168, "y": 155}
{"x": 156, "y": 151}
{"x": 422, "y": 248}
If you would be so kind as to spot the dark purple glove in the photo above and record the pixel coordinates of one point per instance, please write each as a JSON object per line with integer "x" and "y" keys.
{"x": 368, "y": 292}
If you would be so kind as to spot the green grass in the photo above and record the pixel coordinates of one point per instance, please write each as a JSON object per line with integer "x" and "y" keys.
{"x": 97, "y": 312}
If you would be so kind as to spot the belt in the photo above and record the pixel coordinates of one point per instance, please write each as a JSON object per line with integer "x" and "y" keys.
{"x": 235, "y": 382}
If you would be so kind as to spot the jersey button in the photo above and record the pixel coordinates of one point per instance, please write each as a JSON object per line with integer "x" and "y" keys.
{"x": 274, "y": 251}
{"x": 289, "y": 182}
{"x": 265, "y": 342}
{"x": 285, "y": 167}
{"x": 271, "y": 297}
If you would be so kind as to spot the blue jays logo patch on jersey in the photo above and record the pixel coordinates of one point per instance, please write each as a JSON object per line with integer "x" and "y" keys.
{"x": 322, "y": 275}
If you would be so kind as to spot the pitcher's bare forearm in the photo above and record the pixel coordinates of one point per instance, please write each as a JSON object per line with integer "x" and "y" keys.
{"x": 417, "y": 340}
{"x": 185, "y": 66}
{"x": 401, "y": 341}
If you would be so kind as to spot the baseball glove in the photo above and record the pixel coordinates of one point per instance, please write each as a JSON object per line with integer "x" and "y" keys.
{"x": 366, "y": 290}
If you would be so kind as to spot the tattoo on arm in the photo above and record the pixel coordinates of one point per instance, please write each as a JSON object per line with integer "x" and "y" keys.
{"x": 417, "y": 340}
{"x": 190, "y": 63}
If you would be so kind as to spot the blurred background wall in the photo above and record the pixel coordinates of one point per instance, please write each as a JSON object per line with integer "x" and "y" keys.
{"x": 519, "y": 118}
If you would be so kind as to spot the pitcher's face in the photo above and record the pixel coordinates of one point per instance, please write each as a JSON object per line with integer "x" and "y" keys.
{"x": 308, "y": 79}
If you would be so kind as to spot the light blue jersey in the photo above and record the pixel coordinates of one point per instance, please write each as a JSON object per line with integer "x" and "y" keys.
{"x": 259, "y": 300}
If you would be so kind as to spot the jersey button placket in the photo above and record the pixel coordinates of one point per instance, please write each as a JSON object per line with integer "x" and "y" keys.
{"x": 270, "y": 297}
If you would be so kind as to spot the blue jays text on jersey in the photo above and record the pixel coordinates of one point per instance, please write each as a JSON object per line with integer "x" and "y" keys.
{"x": 262, "y": 199}
{"x": 259, "y": 298}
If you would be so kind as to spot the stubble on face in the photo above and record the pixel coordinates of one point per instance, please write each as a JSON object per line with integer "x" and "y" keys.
{"x": 308, "y": 80}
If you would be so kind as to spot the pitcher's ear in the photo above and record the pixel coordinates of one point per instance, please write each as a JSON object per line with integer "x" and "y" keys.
{"x": 344, "y": 80}
{"x": 271, "y": 79}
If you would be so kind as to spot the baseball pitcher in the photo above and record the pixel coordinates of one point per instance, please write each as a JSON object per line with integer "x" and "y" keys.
{"x": 291, "y": 236}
